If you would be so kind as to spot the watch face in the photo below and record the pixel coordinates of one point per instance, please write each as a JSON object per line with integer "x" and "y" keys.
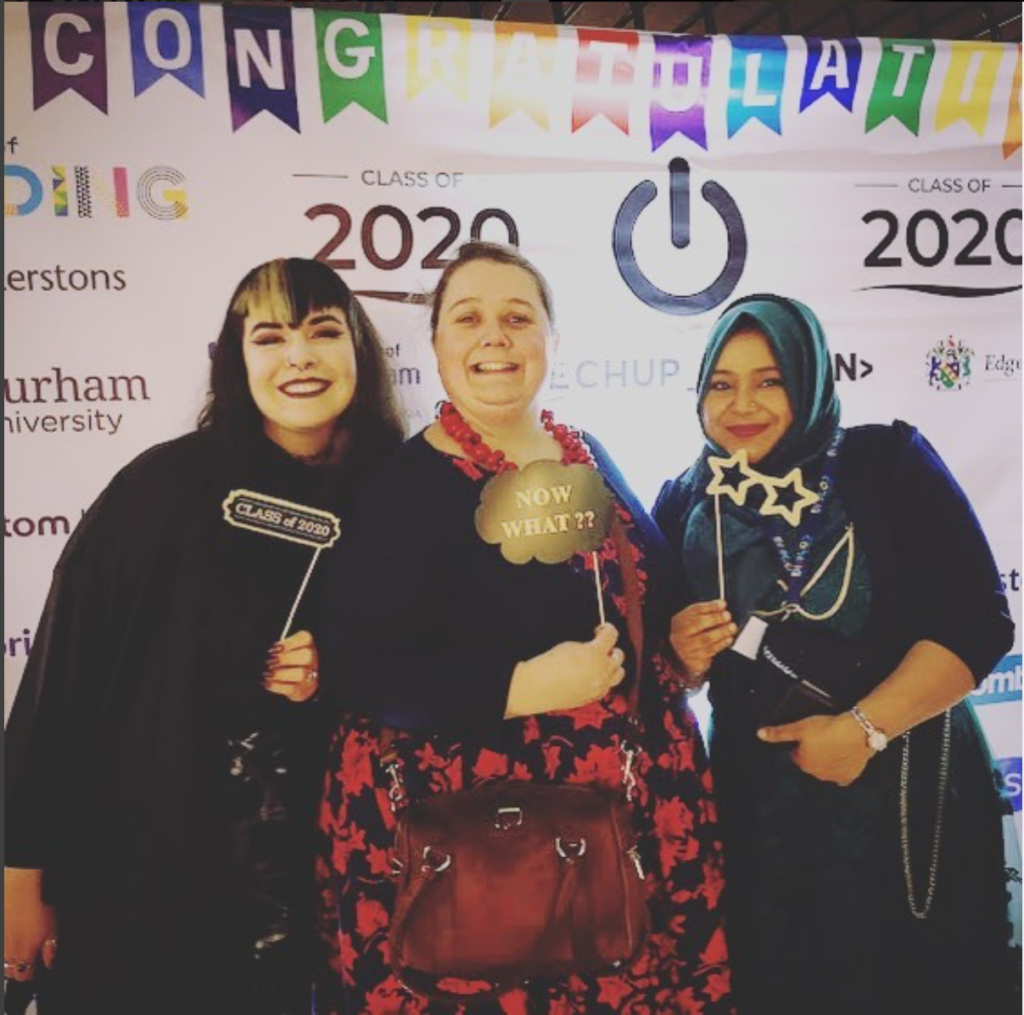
{"x": 877, "y": 740}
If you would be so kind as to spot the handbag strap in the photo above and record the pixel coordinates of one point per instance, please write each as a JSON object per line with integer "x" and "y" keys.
{"x": 634, "y": 610}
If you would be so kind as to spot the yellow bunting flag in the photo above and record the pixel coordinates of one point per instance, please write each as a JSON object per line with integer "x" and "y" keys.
{"x": 970, "y": 82}
{"x": 524, "y": 68}
{"x": 438, "y": 54}
{"x": 1012, "y": 141}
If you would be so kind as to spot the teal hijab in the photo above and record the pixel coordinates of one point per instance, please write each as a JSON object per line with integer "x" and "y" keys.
{"x": 798, "y": 343}
{"x": 797, "y": 340}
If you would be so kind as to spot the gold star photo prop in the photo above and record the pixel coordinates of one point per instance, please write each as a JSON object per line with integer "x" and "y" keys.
{"x": 793, "y": 481}
{"x": 718, "y": 485}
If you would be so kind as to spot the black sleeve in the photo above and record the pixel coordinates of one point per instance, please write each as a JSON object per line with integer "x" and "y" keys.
{"x": 67, "y": 661}
{"x": 391, "y": 597}
{"x": 958, "y": 600}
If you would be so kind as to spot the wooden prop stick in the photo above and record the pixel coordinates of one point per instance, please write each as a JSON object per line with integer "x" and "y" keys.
{"x": 302, "y": 592}
{"x": 721, "y": 549}
{"x": 597, "y": 585}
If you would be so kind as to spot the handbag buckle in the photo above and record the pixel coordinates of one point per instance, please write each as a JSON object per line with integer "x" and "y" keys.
{"x": 570, "y": 850}
{"x": 628, "y": 776}
{"x": 441, "y": 862}
{"x": 396, "y": 791}
{"x": 634, "y": 854}
{"x": 507, "y": 818}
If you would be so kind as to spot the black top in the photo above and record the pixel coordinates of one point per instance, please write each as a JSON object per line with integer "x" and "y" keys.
{"x": 424, "y": 623}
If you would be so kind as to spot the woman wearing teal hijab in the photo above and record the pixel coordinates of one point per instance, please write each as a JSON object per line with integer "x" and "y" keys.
{"x": 859, "y": 880}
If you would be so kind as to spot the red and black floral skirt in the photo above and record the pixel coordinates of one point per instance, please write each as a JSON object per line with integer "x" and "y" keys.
{"x": 683, "y": 968}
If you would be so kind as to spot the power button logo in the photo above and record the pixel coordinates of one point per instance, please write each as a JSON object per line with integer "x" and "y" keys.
{"x": 681, "y": 305}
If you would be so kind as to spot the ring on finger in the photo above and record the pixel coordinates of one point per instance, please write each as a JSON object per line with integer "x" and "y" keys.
{"x": 17, "y": 966}
{"x": 311, "y": 677}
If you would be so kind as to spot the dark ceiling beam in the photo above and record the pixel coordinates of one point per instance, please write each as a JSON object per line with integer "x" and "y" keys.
{"x": 826, "y": 15}
{"x": 435, "y": 9}
{"x": 476, "y": 10}
{"x": 639, "y": 18}
{"x": 999, "y": 27}
{"x": 557, "y": 13}
{"x": 875, "y": 27}
{"x": 992, "y": 26}
{"x": 785, "y": 21}
{"x": 705, "y": 12}
{"x": 503, "y": 11}
{"x": 571, "y": 13}
{"x": 924, "y": 28}
{"x": 950, "y": 12}
{"x": 766, "y": 11}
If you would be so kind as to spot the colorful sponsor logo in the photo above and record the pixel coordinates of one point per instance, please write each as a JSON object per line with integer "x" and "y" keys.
{"x": 78, "y": 191}
{"x": 1010, "y": 780}
{"x": 1002, "y": 684}
{"x": 949, "y": 365}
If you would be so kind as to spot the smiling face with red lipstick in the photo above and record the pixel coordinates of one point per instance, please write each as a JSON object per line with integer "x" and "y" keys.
{"x": 302, "y": 375}
{"x": 745, "y": 405}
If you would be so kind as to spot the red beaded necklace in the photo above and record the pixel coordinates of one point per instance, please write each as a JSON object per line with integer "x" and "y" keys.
{"x": 574, "y": 450}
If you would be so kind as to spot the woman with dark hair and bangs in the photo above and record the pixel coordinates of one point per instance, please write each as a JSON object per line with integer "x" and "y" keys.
{"x": 161, "y": 793}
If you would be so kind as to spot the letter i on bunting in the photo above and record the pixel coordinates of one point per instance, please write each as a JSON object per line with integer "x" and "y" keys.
{"x": 547, "y": 512}
{"x": 281, "y": 519}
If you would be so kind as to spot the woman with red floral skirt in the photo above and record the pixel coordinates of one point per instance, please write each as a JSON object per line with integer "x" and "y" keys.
{"x": 484, "y": 670}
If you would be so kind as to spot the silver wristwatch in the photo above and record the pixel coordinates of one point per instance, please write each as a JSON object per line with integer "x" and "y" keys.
{"x": 877, "y": 740}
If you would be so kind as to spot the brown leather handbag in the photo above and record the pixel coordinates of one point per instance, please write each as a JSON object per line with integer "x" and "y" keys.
{"x": 513, "y": 880}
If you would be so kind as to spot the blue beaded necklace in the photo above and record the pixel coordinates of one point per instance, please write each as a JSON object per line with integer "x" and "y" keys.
{"x": 793, "y": 564}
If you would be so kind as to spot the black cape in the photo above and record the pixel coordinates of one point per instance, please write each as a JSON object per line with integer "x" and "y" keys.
{"x": 132, "y": 775}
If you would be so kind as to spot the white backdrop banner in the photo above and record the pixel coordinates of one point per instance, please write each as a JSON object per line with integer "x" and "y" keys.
{"x": 154, "y": 152}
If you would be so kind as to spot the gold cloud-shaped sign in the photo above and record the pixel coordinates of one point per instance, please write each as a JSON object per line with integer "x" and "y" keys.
{"x": 545, "y": 512}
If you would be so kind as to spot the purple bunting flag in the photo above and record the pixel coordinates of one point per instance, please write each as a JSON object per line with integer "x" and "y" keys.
{"x": 682, "y": 68}
{"x": 261, "y": 63}
{"x": 69, "y": 52}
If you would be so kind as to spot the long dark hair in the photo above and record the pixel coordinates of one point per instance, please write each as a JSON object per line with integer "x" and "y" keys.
{"x": 482, "y": 250}
{"x": 294, "y": 287}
